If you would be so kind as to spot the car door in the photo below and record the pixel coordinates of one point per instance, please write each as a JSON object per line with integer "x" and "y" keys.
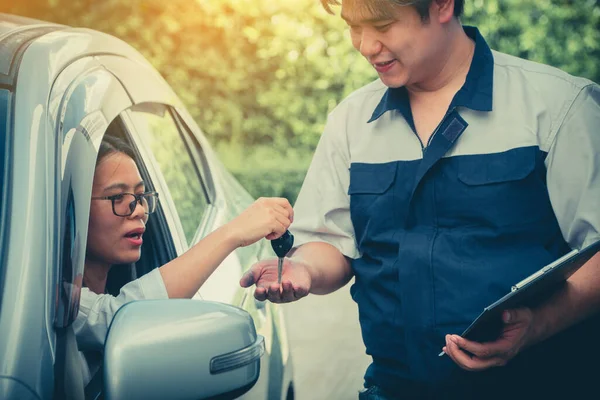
{"x": 84, "y": 98}
{"x": 88, "y": 101}
{"x": 57, "y": 128}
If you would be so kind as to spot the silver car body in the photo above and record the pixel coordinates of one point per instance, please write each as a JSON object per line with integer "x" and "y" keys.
{"x": 68, "y": 85}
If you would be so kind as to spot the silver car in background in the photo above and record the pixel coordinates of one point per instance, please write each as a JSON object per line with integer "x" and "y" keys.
{"x": 61, "y": 88}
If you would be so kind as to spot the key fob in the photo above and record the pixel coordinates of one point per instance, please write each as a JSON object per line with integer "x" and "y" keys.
{"x": 282, "y": 245}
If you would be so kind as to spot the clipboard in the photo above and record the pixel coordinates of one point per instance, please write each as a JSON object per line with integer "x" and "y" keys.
{"x": 526, "y": 293}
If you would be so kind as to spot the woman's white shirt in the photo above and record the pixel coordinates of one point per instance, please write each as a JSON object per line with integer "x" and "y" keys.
{"x": 96, "y": 312}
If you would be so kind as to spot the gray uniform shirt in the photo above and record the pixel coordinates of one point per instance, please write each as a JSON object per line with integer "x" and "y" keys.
{"x": 534, "y": 105}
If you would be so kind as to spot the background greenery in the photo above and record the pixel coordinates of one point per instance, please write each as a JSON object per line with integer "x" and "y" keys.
{"x": 260, "y": 76}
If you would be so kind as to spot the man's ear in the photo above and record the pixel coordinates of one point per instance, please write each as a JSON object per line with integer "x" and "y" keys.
{"x": 442, "y": 10}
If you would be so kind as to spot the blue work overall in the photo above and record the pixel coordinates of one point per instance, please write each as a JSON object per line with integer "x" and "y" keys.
{"x": 440, "y": 239}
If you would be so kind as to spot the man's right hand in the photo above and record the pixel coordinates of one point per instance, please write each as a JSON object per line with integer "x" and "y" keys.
{"x": 295, "y": 280}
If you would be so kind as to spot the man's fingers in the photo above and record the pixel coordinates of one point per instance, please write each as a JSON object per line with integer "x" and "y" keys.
{"x": 482, "y": 350}
{"x": 300, "y": 292}
{"x": 260, "y": 294}
{"x": 263, "y": 274}
{"x": 516, "y": 315}
{"x": 468, "y": 362}
{"x": 287, "y": 294}
{"x": 274, "y": 293}
{"x": 252, "y": 276}
{"x": 260, "y": 266}
{"x": 248, "y": 279}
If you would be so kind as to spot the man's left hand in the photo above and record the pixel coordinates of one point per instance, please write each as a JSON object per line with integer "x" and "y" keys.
{"x": 516, "y": 335}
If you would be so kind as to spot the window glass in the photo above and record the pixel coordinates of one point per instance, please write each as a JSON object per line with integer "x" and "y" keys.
{"x": 171, "y": 151}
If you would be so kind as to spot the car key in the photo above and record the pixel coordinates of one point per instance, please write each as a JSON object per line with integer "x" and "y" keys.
{"x": 281, "y": 246}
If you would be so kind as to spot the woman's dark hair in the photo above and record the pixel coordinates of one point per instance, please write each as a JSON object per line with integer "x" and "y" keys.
{"x": 113, "y": 144}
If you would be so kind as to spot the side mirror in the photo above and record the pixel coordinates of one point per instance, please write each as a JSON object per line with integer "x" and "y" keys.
{"x": 181, "y": 349}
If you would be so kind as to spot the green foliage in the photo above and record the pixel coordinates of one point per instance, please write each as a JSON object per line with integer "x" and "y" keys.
{"x": 265, "y": 172}
{"x": 261, "y": 75}
{"x": 163, "y": 138}
{"x": 562, "y": 33}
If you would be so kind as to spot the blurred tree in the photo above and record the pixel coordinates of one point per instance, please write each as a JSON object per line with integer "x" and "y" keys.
{"x": 260, "y": 76}
{"x": 561, "y": 33}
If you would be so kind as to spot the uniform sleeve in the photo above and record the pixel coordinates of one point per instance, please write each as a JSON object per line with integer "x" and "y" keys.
{"x": 96, "y": 311}
{"x": 322, "y": 210}
{"x": 573, "y": 170}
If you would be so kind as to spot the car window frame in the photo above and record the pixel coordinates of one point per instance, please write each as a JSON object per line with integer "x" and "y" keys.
{"x": 6, "y": 106}
{"x": 156, "y": 174}
{"x": 160, "y": 215}
{"x": 203, "y": 168}
{"x": 166, "y": 201}
{"x": 198, "y": 155}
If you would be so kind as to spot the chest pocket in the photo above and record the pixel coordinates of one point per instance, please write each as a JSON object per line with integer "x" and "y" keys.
{"x": 372, "y": 200}
{"x": 502, "y": 189}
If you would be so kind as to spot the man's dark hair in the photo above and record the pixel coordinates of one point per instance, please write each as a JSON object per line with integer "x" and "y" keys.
{"x": 422, "y": 6}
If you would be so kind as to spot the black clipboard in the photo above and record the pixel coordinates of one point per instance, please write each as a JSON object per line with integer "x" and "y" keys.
{"x": 531, "y": 290}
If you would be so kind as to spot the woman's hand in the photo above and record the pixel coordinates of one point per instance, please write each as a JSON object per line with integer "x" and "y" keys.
{"x": 267, "y": 217}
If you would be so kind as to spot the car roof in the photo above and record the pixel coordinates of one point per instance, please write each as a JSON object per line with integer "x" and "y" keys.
{"x": 16, "y": 33}
{"x": 9, "y": 23}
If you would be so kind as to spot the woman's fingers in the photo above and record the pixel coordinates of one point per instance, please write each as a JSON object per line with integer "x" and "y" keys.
{"x": 277, "y": 205}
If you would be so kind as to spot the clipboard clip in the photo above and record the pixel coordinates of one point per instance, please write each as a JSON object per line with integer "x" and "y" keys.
{"x": 542, "y": 271}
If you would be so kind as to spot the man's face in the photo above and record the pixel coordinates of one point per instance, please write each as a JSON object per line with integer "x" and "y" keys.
{"x": 401, "y": 47}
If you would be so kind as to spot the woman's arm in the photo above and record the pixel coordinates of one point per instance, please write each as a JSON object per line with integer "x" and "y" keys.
{"x": 182, "y": 277}
{"x": 266, "y": 218}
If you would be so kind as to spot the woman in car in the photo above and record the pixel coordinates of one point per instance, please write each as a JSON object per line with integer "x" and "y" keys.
{"x": 118, "y": 213}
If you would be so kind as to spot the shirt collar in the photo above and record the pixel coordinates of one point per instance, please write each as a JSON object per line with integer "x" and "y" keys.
{"x": 476, "y": 92}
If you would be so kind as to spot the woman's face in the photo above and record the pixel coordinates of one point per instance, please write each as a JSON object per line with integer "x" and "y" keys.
{"x": 113, "y": 239}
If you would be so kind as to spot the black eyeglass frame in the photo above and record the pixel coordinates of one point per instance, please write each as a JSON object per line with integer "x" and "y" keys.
{"x": 133, "y": 204}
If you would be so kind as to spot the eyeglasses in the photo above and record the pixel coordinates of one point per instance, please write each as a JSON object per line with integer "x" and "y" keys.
{"x": 124, "y": 204}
